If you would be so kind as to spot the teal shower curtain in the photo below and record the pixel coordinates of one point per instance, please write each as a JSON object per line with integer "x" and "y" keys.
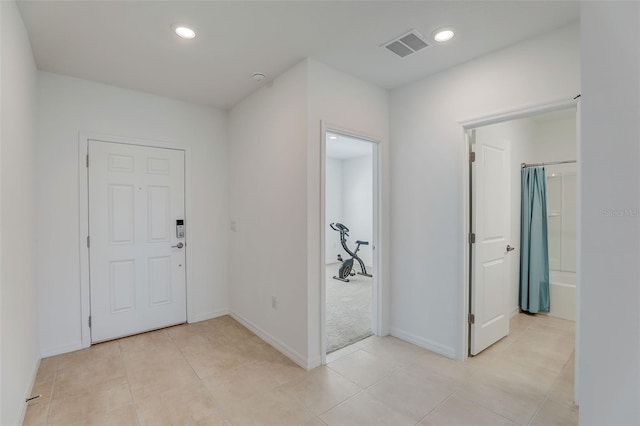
{"x": 534, "y": 248}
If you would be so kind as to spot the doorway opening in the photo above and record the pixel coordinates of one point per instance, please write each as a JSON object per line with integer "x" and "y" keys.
{"x": 349, "y": 231}
{"x": 501, "y": 243}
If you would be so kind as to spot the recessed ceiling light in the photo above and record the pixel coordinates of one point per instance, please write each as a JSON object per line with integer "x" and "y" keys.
{"x": 258, "y": 76}
{"x": 185, "y": 32}
{"x": 443, "y": 34}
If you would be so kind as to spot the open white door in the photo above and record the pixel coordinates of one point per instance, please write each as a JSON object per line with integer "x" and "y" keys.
{"x": 137, "y": 257}
{"x": 490, "y": 222}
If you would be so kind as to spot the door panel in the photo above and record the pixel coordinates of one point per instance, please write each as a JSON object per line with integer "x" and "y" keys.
{"x": 122, "y": 285}
{"x": 490, "y": 221}
{"x": 160, "y": 280}
{"x": 137, "y": 273}
{"x": 159, "y": 213}
{"x": 121, "y": 214}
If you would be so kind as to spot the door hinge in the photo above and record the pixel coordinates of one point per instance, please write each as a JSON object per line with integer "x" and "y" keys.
{"x": 472, "y": 157}
{"x": 472, "y": 319}
{"x": 87, "y": 160}
{"x": 88, "y": 241}
{"x": 472, "y": 238}
{"x": 89, "y": 321}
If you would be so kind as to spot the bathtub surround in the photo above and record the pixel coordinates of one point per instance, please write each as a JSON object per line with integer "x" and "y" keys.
{"x": 561, "y": 212}
{"x": 562, "y": 220}
{"x": 562, "y": 292}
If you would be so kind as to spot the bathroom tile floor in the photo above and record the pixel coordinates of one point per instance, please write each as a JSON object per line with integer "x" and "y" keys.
{"x": 217, "y": 372}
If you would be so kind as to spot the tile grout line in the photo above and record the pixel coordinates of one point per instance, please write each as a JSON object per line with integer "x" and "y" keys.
{"x": 349, "y": 380}
{"x": 341, "y": 403}
{"x": 53, "y": 387}
{"x": 535, "y": 414}
{"x": 468, "y": 380}
{"x": 401, "y": 367}
{"x": 436, "y": 407}
{"x": 487, "y": 408}
{"x": 392, "y": 372}
{"x": 126, "y": 372}
{"x": 220, "y": 406}
{"x": 274, "y": 386}
{"x": 547, "y": 394}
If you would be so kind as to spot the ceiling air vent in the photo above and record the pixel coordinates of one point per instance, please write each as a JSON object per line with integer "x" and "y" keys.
{"x": 407, "y": 43}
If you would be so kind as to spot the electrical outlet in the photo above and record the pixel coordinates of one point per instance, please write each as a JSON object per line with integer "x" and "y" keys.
{"x": 274, "y": 302}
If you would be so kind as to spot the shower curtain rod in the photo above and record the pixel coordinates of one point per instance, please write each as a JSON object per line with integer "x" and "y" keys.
{"x": 524, "y": 165}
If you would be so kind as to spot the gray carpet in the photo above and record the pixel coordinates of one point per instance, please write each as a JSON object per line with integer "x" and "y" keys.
{"x": 348, "y": 309}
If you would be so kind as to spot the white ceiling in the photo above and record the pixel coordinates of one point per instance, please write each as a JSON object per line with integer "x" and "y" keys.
{"x": 341, "y": 147}
{"x": 130, "y": 44}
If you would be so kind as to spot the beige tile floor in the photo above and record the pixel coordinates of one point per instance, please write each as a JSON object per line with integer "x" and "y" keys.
{"x": 218, "y": 373}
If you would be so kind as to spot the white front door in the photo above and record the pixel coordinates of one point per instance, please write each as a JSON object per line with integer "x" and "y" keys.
{"x": 137, "y": 263}
{"x": 490, "y": 222}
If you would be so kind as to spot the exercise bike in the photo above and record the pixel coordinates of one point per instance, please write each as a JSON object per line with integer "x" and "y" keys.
{"x": 346, "y": 269}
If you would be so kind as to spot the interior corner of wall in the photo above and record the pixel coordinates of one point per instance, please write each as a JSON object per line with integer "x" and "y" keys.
{"x": 27, "y": 394}
{"x": 445, "y": 350}
{"x": 295, "y": 356}
{"x": 61, "y": 349}
{"x": 203, "y": 316}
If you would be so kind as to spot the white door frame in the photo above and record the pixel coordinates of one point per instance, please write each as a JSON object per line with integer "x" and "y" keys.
{"x": 83, "y": 215}
{"x": 377, "y": 309}
{"x": 465, "y": 255}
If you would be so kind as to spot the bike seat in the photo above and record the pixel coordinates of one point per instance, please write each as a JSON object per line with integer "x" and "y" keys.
{"x": 362, "y": 243}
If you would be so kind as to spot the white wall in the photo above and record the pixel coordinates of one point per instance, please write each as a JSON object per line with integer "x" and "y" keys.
{"x": 427, "y": 161}
{"x": 609, "y": 292}
{"x": 346, "y": 103}
{"x": 68, "y": 106}
{"x": 333, "y": 208}
{"x": 357, "y": 199}
{"x": 349, "y": 200}
{"x": 268, "y": 202}
{"x": 555, "y": 140}
{"x": 19, "y": 352}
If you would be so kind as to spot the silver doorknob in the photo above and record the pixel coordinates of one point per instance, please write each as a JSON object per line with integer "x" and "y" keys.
{"x": 179, "y": 245}
{"x": 509, "y": 248}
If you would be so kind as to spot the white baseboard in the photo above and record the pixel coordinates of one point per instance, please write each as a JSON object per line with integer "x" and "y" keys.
{"x": 62, "y": 349}
{"x": 203, "y": 316}
{"x": 287, "y": 351}
{"x": 313, "y": 362}
{"x": 27, "y": 395}
{"x": 438, "y": 348}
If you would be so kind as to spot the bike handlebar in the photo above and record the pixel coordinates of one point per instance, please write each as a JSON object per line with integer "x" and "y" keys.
{"x": 339, "y": 227}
